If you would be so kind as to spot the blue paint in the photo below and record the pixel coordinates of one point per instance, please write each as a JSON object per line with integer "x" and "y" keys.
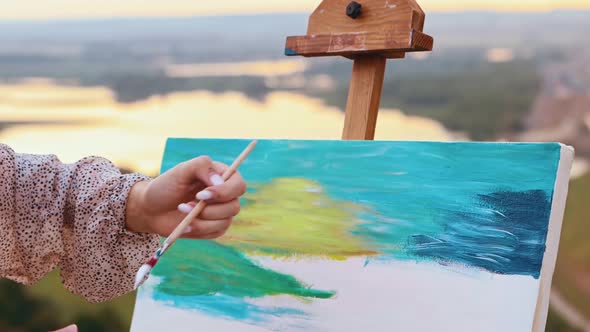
{"x": 419, "y": 192}
{"x": 229, "y": 307}
{"x": 201, "y": 270}
{"x": 481, "y": 205}
{"x": 505, "y": 236}
{"x": 290, "y": 52}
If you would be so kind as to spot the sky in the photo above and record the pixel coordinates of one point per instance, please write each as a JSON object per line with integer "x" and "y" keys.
{"x": 54, "y": 9}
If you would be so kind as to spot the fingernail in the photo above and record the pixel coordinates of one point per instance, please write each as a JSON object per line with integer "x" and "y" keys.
{"x": 216, "y": 179}
{"x": 204, "y": 195}
{"x": 184, "y": 208}
{"x": 188, "y": 229}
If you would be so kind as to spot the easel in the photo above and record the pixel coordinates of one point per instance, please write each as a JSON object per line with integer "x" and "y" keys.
{"x": 368, "y": 32}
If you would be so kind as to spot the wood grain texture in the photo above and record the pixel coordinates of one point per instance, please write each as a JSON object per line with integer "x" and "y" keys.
{"x": 377, "y": 16}
{"x": 390, "y": 44}
{"x": 385, "y": 27}
{"x": 364, "y": 97}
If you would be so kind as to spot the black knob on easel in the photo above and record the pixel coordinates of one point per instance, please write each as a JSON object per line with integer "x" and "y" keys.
{"x": 353, "y": 10}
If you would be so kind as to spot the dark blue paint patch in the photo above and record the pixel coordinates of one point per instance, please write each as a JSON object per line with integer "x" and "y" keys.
{"x": 290, "y": 51}
{"x": 505, "y": 234}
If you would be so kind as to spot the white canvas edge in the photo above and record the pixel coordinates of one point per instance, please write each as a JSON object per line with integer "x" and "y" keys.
{"x": 559, "y": 198}
{"x": 560, "y": 191}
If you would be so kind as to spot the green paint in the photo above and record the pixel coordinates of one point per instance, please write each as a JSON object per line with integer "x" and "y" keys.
{"x": 194, "y": 268}
{"x": 294, "y": 217}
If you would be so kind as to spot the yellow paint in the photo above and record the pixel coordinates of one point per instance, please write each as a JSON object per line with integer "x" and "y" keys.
{"x": 293, "y": 217}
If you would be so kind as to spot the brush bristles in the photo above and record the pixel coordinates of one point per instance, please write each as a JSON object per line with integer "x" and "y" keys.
{"x": 144, "y": 270}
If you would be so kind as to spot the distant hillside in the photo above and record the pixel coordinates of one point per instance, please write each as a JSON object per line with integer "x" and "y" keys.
{"x": 265, "y": 34}
{"x": 130, "y": 56}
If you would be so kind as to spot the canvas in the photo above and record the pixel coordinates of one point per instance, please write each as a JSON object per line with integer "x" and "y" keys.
{"x": 370, "y": 236}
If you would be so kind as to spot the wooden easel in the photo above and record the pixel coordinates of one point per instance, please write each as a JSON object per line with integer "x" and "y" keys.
{"x": 368, "y": 32}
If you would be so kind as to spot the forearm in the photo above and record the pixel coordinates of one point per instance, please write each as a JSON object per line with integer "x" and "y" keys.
{"x": 82, "y": 217}
{"x": 137, "y": 220}
{"x": 102, "y": 253}
{"x": 32, "y": 201}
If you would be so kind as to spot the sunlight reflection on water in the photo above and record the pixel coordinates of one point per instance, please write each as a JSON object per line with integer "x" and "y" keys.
{"x": 233, "y": 69}
{"x": 133, "y": 135}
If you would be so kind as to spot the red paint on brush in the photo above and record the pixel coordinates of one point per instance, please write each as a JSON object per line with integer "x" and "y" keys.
{"x": 152, "y": 262}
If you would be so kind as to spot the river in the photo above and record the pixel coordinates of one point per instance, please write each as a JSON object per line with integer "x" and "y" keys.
{"x": 72, "y": 122}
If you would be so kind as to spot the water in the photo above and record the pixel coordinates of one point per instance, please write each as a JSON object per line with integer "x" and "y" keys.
{"x": 88, "y": 121}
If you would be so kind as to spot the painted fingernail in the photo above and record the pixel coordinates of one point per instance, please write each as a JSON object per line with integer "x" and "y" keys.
{"x": 216, "y": 179}
{"x": 204, "y": 195}
{"x": 184, "y": 208}
{"x": 187, "y": 230}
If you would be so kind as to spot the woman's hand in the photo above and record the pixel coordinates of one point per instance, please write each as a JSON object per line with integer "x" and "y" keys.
{"x": 158, "y": 206}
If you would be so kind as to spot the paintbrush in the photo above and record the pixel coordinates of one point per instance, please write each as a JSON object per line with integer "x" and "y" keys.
{"x": 145, "y": 269}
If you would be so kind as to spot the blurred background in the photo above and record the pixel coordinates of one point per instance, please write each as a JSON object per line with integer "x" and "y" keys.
{"x": 116, "y": 78}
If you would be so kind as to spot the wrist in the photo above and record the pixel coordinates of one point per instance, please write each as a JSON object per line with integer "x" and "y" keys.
{"x": 136, "y": 218}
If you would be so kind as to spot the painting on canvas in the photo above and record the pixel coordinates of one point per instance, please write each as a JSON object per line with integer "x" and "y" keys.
{"x": 370, "y": 236}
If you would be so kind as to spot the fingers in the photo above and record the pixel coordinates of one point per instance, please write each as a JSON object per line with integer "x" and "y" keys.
{"x": 208, "y": 172}
{"x": 213, "y": 221}
{"x": 222, "y": 198}
{"x": 214, "y": 211}
{"x": 233, "y": 188}
{"x": 186, "y": 207}
{"x": 207, "y": 229}
{"x": 200, "y": 169}
{"x": 225, "y": 210}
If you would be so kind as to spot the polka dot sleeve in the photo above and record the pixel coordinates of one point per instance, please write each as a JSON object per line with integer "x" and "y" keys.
{"x": 71, "y": 216}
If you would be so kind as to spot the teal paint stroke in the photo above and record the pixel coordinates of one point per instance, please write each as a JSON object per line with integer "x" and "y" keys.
{"x": 423, "y": 201}
{"x": 217, "y": 278}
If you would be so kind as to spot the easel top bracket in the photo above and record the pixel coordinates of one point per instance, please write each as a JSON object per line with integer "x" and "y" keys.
{"x": 389, "y": 28}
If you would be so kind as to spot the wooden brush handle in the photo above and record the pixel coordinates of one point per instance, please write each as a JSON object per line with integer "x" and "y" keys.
{"x": 179, "y": 230}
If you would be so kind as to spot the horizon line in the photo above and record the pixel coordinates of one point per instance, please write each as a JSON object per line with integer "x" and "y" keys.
{"x": 189, "y": 16}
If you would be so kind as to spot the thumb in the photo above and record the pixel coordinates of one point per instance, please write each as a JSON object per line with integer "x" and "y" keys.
{"x": 71, "y": 328}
